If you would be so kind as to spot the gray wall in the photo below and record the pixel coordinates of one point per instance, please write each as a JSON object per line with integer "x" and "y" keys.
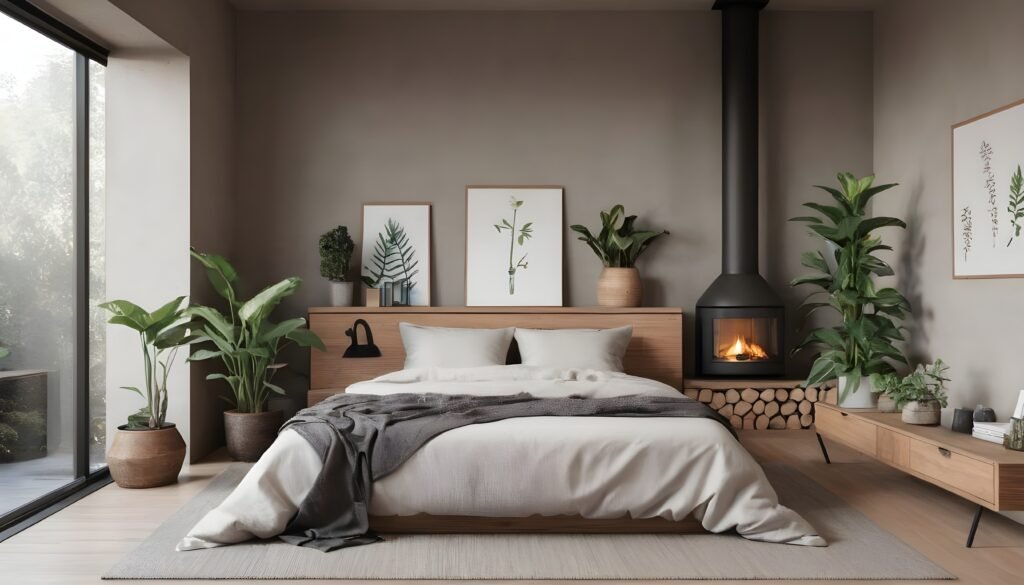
{"x": 938, "y": 63}
{"x": 337, "y": 109}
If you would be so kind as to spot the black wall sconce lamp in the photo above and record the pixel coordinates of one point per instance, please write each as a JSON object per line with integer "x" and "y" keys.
{"x": 361, "y": 350}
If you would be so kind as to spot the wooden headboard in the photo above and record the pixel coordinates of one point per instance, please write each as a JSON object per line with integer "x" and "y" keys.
{"x": 655, "y": 352}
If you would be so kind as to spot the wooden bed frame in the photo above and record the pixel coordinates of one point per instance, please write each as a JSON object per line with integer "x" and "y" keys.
{"x": 656, "y": 352}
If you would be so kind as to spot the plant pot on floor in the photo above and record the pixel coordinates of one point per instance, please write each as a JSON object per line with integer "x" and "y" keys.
{"x": 863, "y": 397}
{"x": 145, "y": 458}
{"x": 927, "y": 412}
{"x": 619, "y": 287}
{"x": 249, "y": 435}
{"x": 341, "y": 293}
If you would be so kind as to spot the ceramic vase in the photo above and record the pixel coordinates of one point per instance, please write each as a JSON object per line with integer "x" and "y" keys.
{"x": 863, "y": 397}
{"x": 341, "y": 293}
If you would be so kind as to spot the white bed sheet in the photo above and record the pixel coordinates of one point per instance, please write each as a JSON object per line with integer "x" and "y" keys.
{"x": 596, "y": 467}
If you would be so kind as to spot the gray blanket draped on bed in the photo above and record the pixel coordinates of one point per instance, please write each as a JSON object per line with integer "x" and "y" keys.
{"x": 364, "y": 437}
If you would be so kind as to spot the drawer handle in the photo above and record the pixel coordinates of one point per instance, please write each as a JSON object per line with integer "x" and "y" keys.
{"x": 845, "y": 413}
{"x": 945, "y": 452}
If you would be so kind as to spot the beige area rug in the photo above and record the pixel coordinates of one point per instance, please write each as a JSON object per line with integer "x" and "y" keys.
{"x": 858, "y": 549}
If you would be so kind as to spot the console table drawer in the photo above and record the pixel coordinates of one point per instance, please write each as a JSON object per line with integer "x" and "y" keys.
{"x": 953, "y": 469}
{"x": 849, "y": 430}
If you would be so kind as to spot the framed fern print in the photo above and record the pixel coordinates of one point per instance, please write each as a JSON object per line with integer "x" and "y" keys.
{"x": 396, "y": 247}
{"x": 988, "y": 195}
{"x": 514, "y": 246}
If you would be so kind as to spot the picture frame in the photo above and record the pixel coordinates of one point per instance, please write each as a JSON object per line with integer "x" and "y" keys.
{"x": 1018, "y": 411}
{"x": 514, "y": 245}
{"x": 987, "y": 199}
{"x": 395, "y": 245}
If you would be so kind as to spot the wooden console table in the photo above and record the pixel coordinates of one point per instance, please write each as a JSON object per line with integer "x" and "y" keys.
{"x": 985, "y": 473}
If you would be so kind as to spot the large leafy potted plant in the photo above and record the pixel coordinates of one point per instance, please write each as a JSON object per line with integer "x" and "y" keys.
{"x": 336, "y": 248}
{"x": 247, "y": 342}
{"x": 148, "y": 451}
{"x": 921, "y": 394}
{"x": 619, "y": 244}
{"x": 864, "y": 342}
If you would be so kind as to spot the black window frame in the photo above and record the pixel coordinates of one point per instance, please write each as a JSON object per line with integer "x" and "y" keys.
{"x": 85, "y": 481}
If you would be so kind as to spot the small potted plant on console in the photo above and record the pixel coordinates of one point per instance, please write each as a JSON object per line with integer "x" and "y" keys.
{"x": 921, "y": 394}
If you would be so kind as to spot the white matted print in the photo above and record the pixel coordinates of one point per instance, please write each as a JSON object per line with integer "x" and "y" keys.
{"x": 514, "y": 246}
{"x": 396, "y": 246}
{"x": 988, "y": 195}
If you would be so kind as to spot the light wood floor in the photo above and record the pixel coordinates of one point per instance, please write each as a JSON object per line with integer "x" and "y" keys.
{"x": 79, "y": 543}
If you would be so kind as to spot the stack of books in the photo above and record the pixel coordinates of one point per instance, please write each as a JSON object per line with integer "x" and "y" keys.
{"x": 991, "y": 431}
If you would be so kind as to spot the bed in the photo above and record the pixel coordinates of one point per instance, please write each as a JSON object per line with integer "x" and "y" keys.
{"x": 532, "y": 474}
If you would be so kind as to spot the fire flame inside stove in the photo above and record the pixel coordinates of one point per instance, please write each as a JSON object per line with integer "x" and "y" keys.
{"x": 742, "y": 350}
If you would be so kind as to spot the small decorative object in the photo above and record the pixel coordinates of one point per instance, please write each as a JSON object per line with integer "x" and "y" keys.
{"x": 396, "y": 246}
{"x": 361, "y": 350}
{"x": 988, "y": 194}
{"x": 618, "y": 245}
{"x": 984, "y": 414}
{"x": 863, "y": 344}
{"x": 336, "y": 248}
{"x": 148, "y": 451}
{"x": 404, "y": 293}
{"x": 248, "y": 343}
{"x": 387, "y": 292}
{"x": 963, "y": 420}
{"x": 921, "y": 395}
{"x": 371, "y": 296}
{"x": 514, "y": 246}
{"x": 1015, "y": 438}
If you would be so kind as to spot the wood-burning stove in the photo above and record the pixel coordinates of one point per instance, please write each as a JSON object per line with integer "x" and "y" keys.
{"x": 740, "y": 319}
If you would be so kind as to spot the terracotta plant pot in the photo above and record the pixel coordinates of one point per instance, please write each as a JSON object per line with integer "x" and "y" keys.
{"x": 619, "y": 287}
{"x": 922, "y": 413}
{"x": 249, "y": 435}
{"x": 146, "y": 458}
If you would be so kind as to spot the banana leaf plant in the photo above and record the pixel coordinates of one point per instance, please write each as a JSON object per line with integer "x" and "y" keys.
{"x": 161, "y": 333}
{"x": 620, "y": 243}
{"x": 244, "y": 338}
{"x": 863, "y": 343}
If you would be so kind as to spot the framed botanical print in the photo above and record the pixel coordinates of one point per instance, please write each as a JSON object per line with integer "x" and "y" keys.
{"x": 396, "y": 247}
{"x": 514, "y": 245}
{"x": 988, "y": 194}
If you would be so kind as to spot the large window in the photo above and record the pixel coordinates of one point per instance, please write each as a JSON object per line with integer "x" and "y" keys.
{"x": 52, "y": 412}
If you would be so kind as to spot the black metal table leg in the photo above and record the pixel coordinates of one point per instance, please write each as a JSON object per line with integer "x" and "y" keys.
{"x": 824, "y": 451}
{"x": 974, "y": 526}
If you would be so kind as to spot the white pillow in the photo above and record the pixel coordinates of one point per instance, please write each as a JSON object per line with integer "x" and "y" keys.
{"x": 445, "y": 347}
{"x": 589, "y": 349}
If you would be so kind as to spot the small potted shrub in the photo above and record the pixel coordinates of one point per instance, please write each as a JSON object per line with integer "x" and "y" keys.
{"x": 618, "y": 245}
{"x": 247, "y": 342}
{"x": 336, "y": 248}
{"x": 921, "y": 395}
{"x": 864, "y": 342}
{"x": 148, "y": 451}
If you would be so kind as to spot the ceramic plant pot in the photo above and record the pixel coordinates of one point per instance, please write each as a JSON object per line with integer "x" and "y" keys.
{"x": 145, "y": 458}
{"x": 926, "y": 412}
{"x": 341, "y": 293}
{"x": 886, "y": 404}
{"x": 863, "y": 397}
{"x": 619, "y": 287}
{"x": 249, "y": 435}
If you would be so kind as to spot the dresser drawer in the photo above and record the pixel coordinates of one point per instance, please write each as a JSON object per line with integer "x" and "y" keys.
{"x": 950, "y": 468}
{"x": 893, "y": 448}
{"x": 849, "y": 430}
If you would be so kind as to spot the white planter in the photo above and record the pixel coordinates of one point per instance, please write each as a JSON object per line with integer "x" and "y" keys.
{"x": 341, "y": 294}
{"x": 862, "y": 398}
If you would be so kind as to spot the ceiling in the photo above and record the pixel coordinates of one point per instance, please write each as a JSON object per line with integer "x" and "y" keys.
{"x": 551, "y": 5}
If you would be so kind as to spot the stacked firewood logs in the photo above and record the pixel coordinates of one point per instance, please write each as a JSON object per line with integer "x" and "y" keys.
{"x": 769, "y": 408}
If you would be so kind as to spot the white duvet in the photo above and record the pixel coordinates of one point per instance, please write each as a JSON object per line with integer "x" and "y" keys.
{"x": 595, "y": 467}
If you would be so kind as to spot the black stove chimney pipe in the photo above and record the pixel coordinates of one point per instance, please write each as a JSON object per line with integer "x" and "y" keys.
{"x": 739, "y": 134}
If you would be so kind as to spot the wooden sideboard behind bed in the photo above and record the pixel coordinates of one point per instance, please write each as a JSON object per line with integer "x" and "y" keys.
{"x": 656, "y": 352}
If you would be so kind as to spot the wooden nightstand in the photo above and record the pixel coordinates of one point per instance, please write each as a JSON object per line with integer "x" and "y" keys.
{"x": 982, "y": 472}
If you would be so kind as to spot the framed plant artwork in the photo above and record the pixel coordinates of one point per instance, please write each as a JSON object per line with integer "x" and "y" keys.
{"x": 514, "y": 245}
{"x": 988, "y": 195}
{"x": 396, "y": 247}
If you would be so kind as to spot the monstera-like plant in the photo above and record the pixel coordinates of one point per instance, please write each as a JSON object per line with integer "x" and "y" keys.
{"x": 247, "y": 343}
{"x": 619, "y": 245}
{"x": 864, "y": 341}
